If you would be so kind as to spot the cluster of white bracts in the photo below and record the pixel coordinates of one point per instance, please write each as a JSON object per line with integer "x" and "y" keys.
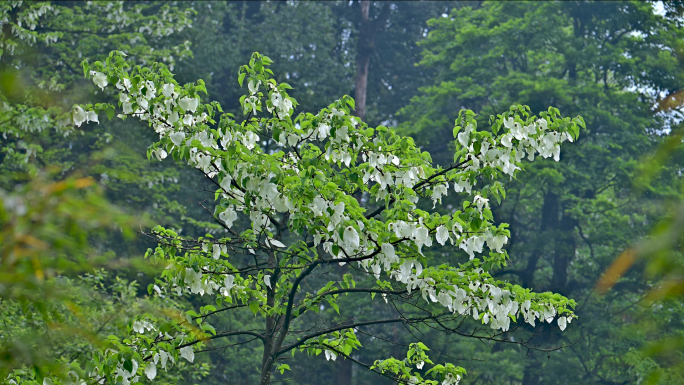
{"x": 530, "y": 139}
{"x": 495, "y": 303}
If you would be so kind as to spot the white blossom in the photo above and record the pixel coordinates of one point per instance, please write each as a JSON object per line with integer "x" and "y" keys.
{"x": 91, "y": 116}
{"x": 351, "y": 238}
{"x": 177, "y": 138}
{"x": 562, "y": 323}
{"x": 189, "y": 104}
{"x": 167, "y": 90}
{"x": 99, "y": 79}
{"x": 228, "y": 217}
{"x": 187, "y": 353}
{"x": 151, "y": 370}
{"x": 442, "y": 235}
{"x": 79, "y": 116}
{"x": 330, "y": 355}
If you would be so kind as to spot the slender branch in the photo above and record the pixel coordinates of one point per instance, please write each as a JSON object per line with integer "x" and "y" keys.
{"x": 304, "y": 339}
{"x": 416, "y": 187}
{"x": 367, "y": 366}
{"x": 446, "y": 170}
{"x": 226, "y": 346}
{"x": 319, "y": 297}
{"x": 221, "y": 335}
{"x": 219, "y": 310}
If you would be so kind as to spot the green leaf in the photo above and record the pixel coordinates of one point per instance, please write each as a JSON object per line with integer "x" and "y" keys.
{"x": 210, "y": 328}
{"x": 488, "y": 214}
{"x": 351, "y": 103}
{"x": 254, "y": 306}
{"x": 128, "y": 365}
{"x": 334, "y": 306}
{"x": 86, "y": 67}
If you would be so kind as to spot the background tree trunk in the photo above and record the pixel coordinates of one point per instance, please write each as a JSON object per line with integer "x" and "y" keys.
{"x": 365, "y": 45}
{"x": 344, "y": 373}
{"x": 368, "y": 28}
{"x": 557, "y": 243}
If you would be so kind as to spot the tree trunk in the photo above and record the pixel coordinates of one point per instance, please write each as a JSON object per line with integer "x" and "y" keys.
{"x": 545, "y": 245}
{"x": 558, "y": 242}
{"x": 344, "y": 372}
{"x": 544, "y": 242}
{"x": 266, "y": 366}
{"x": 365, "y": 49}
{"x": 267, "y": 358}
{"x": 365, "y": 46}
{"x": 270, "y": 330}
{"x": 531, "y": 375}
{"x": 563, "y": 254}
{"x": 361, "y": 86}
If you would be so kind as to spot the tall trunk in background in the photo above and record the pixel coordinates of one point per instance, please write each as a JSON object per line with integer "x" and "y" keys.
{"x": 563, "y": 254}
{"x": 557, "y": 232}
{"x": 365, "y": 50}
{"x": 544, "y": 248}
{"x": 267, "y": 361}
{"x": 547, "y": 228}
{"x": 365, "y": 46}
{"x": 344, "y": 372}
{"x": 368, "y": 28}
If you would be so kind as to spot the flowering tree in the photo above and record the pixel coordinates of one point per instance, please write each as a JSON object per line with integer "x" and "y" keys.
{"x": 299, "y": 194}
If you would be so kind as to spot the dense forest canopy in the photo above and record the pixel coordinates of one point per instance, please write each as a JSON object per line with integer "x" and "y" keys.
{"x": 343, "y": 191}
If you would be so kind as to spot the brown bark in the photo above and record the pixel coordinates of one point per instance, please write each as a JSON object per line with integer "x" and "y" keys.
{"x": 364, "y": 47}
{"x": 544, "y": 246}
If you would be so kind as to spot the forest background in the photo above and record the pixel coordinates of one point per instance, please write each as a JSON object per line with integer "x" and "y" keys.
{"x": 409, "y": 65}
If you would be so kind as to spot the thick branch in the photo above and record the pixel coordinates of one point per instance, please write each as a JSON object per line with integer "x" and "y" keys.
{"x": 284, "y": 324}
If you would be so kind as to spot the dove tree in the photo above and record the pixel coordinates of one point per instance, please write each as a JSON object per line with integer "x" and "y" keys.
{"x": 298, "y": 194}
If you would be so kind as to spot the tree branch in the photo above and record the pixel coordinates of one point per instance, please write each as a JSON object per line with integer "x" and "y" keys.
{"x": 336, "y": 328}
{"x": 221, "y": 335}
{"x": 417, "y": 186}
